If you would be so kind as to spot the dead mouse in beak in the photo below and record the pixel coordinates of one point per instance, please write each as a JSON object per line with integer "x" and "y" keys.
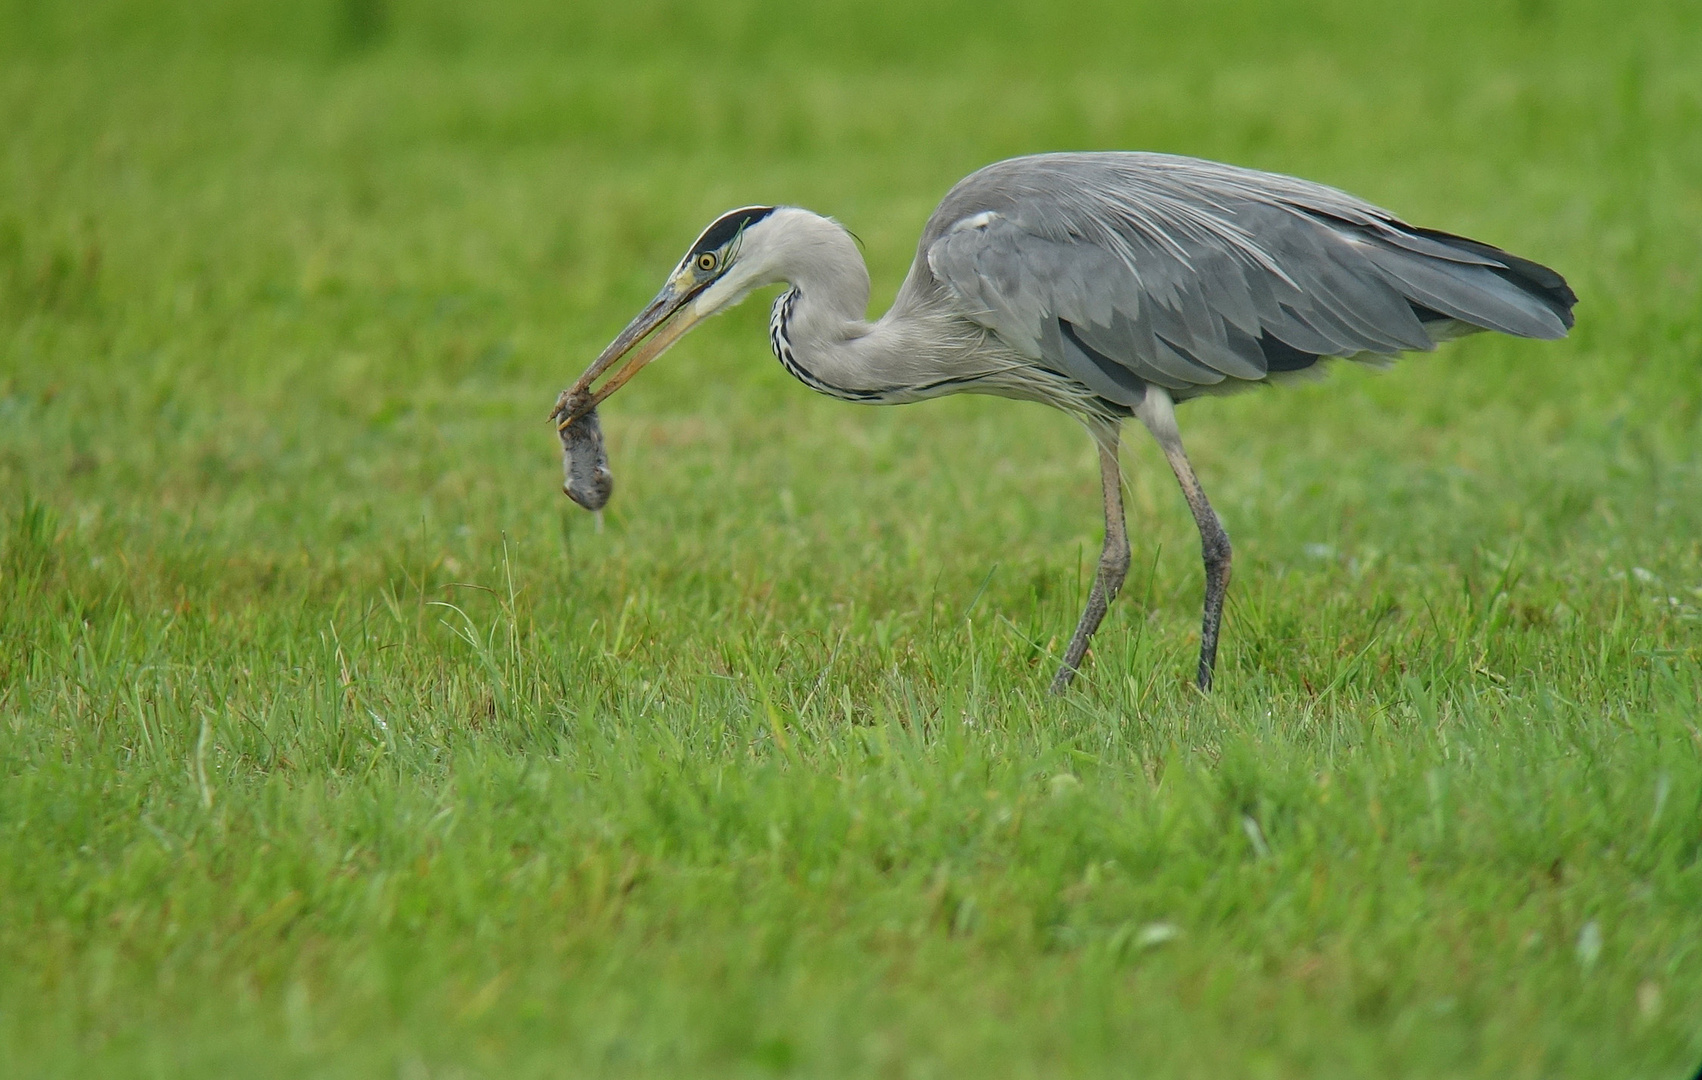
{"x": 586, "y": 478}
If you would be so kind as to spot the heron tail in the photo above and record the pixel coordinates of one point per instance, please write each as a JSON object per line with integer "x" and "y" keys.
{"x": 1459, "y": 280}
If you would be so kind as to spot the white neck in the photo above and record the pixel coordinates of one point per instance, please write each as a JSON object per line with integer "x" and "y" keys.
{"x": 820, "y": 329}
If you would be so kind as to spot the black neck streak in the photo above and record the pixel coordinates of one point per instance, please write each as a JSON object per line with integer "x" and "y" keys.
{"x": 780, "y": 338}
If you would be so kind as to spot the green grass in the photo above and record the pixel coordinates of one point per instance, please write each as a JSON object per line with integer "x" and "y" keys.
{"x": 335, "y": 742}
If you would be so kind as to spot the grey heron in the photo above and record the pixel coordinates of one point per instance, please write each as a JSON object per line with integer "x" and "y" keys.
{"x": 1108, "y": 285}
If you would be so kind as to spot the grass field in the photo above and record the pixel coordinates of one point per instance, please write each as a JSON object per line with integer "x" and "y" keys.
{"x": 335, "y": 742}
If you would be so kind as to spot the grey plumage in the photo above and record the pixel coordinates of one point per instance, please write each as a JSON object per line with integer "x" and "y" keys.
{"x": 1127, "y": 269}
{"x": 1109, "y": 285}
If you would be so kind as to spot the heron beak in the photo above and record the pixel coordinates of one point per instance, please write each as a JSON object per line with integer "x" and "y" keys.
{"x": 669, "y": 316}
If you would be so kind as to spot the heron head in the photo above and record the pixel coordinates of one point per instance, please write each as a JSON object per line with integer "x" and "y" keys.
{"x": 725, "y": 263}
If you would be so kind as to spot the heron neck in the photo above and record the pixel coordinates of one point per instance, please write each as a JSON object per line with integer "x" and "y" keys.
{"x": 820, "y": 328}
{"x": 821, "y": 335}
{"x": 836, "y": 351}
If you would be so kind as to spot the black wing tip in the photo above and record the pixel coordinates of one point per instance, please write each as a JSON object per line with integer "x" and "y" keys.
{"x": 1545, "y": 283}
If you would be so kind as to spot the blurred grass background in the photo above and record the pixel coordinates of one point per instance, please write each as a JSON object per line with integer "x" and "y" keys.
{"x": 759, "y": 779}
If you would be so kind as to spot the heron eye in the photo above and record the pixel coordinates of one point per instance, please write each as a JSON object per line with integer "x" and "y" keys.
{"x": 706, "y": 261}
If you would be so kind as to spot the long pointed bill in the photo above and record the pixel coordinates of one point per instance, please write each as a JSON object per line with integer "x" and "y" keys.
{"x": 668, "y": 311}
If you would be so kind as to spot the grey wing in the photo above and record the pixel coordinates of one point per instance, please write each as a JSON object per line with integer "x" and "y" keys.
{"x": 1125, "y": 269}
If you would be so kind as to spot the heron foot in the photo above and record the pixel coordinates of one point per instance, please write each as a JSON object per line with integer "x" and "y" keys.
{"x": 1061, "y": 681}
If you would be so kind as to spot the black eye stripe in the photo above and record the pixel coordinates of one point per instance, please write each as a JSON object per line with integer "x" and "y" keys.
{"x": 727, "y": 226}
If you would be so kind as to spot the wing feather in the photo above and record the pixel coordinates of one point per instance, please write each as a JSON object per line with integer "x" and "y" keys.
{"x": 1121, "y": 269}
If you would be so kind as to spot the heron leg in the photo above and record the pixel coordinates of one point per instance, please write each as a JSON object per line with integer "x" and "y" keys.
{"x": 1158, "y": 413}
{"x": 1113, "y": 557}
